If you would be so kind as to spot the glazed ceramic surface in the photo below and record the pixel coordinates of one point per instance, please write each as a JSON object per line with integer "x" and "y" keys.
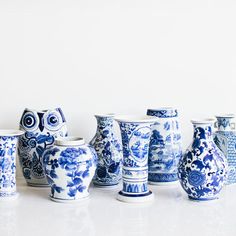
{"x": 135, "y": 135}
{"x": 225, "y": 139}
{"x": 8, "y": 145}
{"x": 41, "y": 128}
{"x": 165, "y": 146}
{"x": 203, "y": 168}
{"x": 70, "y": 166}
{"x": 109, "y": 152}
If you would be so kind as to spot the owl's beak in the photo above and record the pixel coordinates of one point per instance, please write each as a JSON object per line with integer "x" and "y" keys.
{"x": 41, "y": 127}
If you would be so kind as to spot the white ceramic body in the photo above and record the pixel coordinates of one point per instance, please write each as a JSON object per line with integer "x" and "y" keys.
{"x": 41, "y": 128}
{"x": 69, "y": 168}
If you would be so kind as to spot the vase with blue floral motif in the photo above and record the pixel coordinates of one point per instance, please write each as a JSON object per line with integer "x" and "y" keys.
{"x": 70, "y": 166}
{"x": 225, "y": 139}
{"x": 165, "y": 147}
{"x": 109, "y": 152}
{"x": 202, "y": 170}
{"x": 41, "y": 128}
{"x": 135, "y": 134}
{"x": 8, "y": 149}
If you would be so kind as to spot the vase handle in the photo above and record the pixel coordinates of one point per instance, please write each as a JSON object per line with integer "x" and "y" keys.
{"x": 216, "y": 124}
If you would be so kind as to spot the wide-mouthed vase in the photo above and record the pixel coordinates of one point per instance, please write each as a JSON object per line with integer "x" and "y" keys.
{"x": 135, "y": 134}
{"x": 8, "y": 150}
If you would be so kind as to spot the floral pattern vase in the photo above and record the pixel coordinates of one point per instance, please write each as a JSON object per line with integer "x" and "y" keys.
{"x": 8, "y": 145}
{"x": 70, "y": 166}
{"x": 41, "y": 128}
{"x": 109, "y": 153}
{"x": 165, "y": 148}
{"x": 135, "y": 133}
{"x": 203, "y": 168}
{"x": 225, "y": 139}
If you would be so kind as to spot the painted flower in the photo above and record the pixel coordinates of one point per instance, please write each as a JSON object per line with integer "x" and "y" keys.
{"x": 196, "y": 178}
{"x": 68, "y": 158}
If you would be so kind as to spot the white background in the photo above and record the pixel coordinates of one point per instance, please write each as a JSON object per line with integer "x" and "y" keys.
{"x": 117, "y": 56}
{"x": 124, "y": 57}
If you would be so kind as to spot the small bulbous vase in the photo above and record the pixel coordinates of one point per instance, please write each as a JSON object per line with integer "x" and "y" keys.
{"x": 8, "y": 145}
{"x": 109, "y": 152}
{"x": 41, "y": 128}
{"x": 70, "y": 166}
{"x": 135, "y": 134}
{"x": 202, "y": 170}
{"x": 225, "y": 139}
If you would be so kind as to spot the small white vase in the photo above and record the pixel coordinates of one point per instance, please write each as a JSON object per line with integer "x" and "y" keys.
{"x": 70, "y": 166}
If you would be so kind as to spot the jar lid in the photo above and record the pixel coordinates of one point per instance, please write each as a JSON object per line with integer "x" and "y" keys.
{"x": 69, "y": 141}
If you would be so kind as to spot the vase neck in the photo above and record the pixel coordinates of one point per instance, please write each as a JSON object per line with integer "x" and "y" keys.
{"x": 203, "y": 131}
{"x": 104, "y": 123}
{"x": 224, "y": 123}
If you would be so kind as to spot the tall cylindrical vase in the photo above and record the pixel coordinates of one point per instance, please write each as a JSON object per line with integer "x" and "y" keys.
{"x": 203, "y": 168}
{"x": 109, "y": 152}
{"x": 165, "y": 147}
{"x": 225, "y": 139}
{"x": 135, "y": 134}
{"x": 41, "y": 128}
{"x": 8, "y": 145}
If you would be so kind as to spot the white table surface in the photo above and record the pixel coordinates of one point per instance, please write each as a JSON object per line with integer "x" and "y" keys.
{"x": 171, "y": 213}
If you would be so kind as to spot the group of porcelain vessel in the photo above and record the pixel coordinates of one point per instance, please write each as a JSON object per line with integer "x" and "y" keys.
{"x": 150, "y": 152}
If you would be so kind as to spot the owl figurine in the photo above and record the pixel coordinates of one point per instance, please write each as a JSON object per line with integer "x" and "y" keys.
{"x": 41, "y": 128}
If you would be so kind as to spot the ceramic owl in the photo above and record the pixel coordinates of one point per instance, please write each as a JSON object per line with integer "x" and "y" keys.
{"x": 41, "y": 128}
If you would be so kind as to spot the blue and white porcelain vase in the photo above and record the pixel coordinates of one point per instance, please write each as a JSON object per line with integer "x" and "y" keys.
{"x": 109, "y": 151}
{"x": 41, "y": 128}
{"x": 135, "y": 134}
{"x": 165, "y": 148}
{"x": 8, "y": 148}
{"x": 225, "y": 139}
{"x": 70, "y": 166}
{"x": 203, "y": 167}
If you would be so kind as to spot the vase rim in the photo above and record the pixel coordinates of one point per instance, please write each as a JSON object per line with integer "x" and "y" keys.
{"x": 105, "y": 115}
{"x": 69, "y": 141}
{"x": 10, "y": 132}
{"x": 41, "y": 110}
{"x": 162, "y": 108}
{"x": 136, "y": 119}
{"x": 203, "y": 121}
{"x": 229, "y": 115}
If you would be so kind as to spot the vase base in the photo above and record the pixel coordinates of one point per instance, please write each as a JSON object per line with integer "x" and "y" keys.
{"x": 164, "y": 183}
{"x": 9, "y": 197}
{"x": 135, "y": 198}
{"x": 38, "y": 185}
{"x": 69, "y": 200}
{"x": 114, "y": 186}
{"x": 202, "y": 199}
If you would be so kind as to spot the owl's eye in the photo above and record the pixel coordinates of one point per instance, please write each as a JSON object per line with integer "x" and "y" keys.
{"x": 29, "y": 121}
{"x": 52, "y": 120}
